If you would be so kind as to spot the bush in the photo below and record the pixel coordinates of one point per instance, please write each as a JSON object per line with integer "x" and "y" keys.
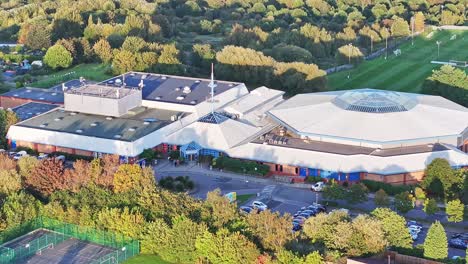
{"x": 381, "y": 198}
{"x": 240, "y": 166}
{"x": 177, "y": 184}
{"x": 419, "y": 193}
{"x": 357, "y": 193}
{"x": 313, "y": 179}
{"x": 374, "y": 186}
{"x": 72, "y": 157}
{"x": 404, "y": 202}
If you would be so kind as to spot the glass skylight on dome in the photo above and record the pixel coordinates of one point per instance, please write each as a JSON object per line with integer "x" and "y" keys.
{"x": 375, "y": 101}
{"x": 213, "y": 118}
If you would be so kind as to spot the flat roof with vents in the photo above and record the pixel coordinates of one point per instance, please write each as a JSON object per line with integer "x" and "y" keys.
{"x": 129, "y": 127}
{"x": 32, "y": 109}
{"x": 168, "y": 88}
{"x": 37, "y": 95}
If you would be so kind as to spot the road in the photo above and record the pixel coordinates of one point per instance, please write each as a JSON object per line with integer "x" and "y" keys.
{"x": 278, "y": 197}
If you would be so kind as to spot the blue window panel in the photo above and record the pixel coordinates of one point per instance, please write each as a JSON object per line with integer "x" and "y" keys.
{"x": 302, "y": 172}
{"x": 354, "y": 176}
{"x": 331, "y": 175}
{"x": 209, "y": 152}
{"x": 313, "y": 172}
{"x": 13, "y": 144}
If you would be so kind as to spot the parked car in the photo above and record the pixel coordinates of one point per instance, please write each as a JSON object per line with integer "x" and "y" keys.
{"x": 42, "y": 156}
{"x": 259, "y": 205}
{"x": 413, "y": 223}
{"x": 414, "y": 234}
{"x": 296, "y": 227}
{"x": 300, "y": 218}
{"x": 309, "y": 212}
{"x": 246, "y": 209}
{"x": 318, "y": 207}
{"x": 341, "y": 209}
{"x": 458, "y": 243}
{"x": 317, "y": 187}
{"x": 415, "y": 228}
{"x": 61, "y": 158}
{"x": 20, "y": 154}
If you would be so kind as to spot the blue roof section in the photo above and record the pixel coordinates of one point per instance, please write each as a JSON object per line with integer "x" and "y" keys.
{"x": 173, "y": 89}
{"x": 29, "y": 110}
{"x": 37, "y": 94}
{"x": 69, "y": 84}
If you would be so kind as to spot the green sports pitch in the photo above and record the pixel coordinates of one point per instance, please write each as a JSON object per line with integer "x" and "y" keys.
{"x": 407, "y": 71}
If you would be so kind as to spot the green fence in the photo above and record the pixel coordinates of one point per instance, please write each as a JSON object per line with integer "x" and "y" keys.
{"x": 124, "y": 247}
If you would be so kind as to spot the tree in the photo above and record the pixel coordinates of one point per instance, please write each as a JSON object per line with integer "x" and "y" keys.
{"x": 132, "y": 177}
{"x": 19, "y": 208}
{"x": 394, "y": 227}
{"x": 126, "y": 222}
{"x": 381, "y": 198}
{"x": 357, "y": 193}
{"x": 419, "y": 22}
{"x": 334, "y": 191}
{"x": 449, "y": 82}
{"x": 218, "y": 210}
{"x": 7, "y": 119}
{"x": 58, "y": 56}
{"x": 26, "y": 165}
{"x": 78, "y": 177}
{"x": 270, "y": 229}
{"x": 454, "y": 210}
{"x": 46, "y": 177}
{"x": 403, "y": 202}
{"x": 321, "y": 228}
{"x": 134, "y": 44}
{"x": 180, "y": 246}
{"x": 400, "y": 28}
{"x": 440, "y": 169}
{"x": 10, "y": 182}
{"x": 226, "y": 247}
{"x": 435, "y": 244}
{"x": 124, "y": 61}
{"x": 103, "y": 50}
{"x": 349, "y": 54}
{"x": 154, "y": 237}
{"x": 430, "y": 206}
{"x": 35, "y": 35}
{"x": 289, "y": 257}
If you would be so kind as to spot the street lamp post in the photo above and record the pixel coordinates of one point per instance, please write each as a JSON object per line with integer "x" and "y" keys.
{"x": 438, "y": 48}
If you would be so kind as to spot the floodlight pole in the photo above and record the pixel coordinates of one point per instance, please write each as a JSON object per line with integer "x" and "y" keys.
{"x": 386, "y": 46}
{"x": 212, "y": 85}
{"x": 438, "y": 48}
{"x": 349, "y": 56}
{"x": 412, "y": 30}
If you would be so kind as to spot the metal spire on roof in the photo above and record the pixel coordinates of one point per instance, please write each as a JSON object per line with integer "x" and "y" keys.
{"x": 212, "y": 85}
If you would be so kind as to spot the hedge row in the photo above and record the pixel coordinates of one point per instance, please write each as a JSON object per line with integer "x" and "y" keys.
{"x": 240, "y": 166}
{"x": 374, "y": 186}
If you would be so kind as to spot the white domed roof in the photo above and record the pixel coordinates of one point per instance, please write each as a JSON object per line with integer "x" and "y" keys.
{"x": 374, "y": 118}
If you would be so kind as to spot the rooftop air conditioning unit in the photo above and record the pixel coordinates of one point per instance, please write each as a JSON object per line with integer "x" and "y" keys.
{"x": 118, "y": 81}
{"x": 163, "y": 77}
{"x": 187, "y": 90}
{"x": 180, "y": 97}
{"x": 173, "y": 118}
{"x": 144, "y": 76}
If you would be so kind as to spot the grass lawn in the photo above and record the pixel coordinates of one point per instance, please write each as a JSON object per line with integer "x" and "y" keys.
{"x": 95, "y": 72}
{"x": 241, "y": 199}
{"x": 408, "y": 71}
{"x": 146, "y": 259}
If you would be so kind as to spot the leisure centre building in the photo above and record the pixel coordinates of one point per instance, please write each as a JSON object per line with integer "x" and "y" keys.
{"x": 344, "y": 135}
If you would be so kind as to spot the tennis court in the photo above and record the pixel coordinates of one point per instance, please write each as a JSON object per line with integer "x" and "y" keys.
{"x": 44, "y": 246}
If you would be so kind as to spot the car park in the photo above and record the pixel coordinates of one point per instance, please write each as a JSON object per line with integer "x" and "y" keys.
{"x": 340, "y": 210}
{"x": 259, "y": 205}
{"x": 309, "y": 212}
{"x": 413, "y": 223}
{"x": 61, "y": 158}
{"x": 317, "y": 187}
{"x": 318, "y": 207}
{"x": 296, "y": 227}
{"x": 42, "y": 156}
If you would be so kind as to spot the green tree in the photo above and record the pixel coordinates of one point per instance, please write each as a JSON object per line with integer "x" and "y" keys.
{"x": 124, "y": 61}
{"x": 430, "y": 206}
{"x": 435, "y": 244}
{"x": 272, "y": 230}
{"x": 357, "y": 193}
{"x": 403, "y": 202}
{"x": 134, "y": 44}
{"x": 103, "y": 50}
{"x": 35, "y": 35}
{"x": 7, "y": 119}
{"x": 10, "y": 182}
{"x": 334, "y": 191}
{"x": 449, "y": 82}
{"x": 58, "y": 56}
{"x": 180, "y": 246}
{"x": 123, "y": 221}
{"x": 400, "y": 28}
{"x": 19, "y": 208}
{"x": 440, "y": 169}
{"x": 218, "y": 210}
{"x": 394, "y": 227}
{"x": 226, "y": 247}
{"x": 155, "y": 237}
{"x": 381, "y": 198}
{"x": 454, "y": 210}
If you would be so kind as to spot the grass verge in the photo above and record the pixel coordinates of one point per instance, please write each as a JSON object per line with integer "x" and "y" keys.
{"x": 146, "y": 259}
{"x": 241, "y": 199}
